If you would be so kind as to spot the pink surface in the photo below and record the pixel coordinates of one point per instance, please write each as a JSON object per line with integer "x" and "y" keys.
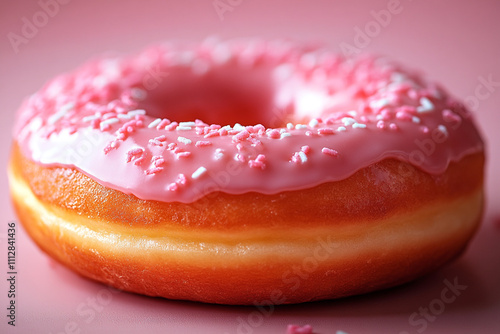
{"x": 455, "y": 42}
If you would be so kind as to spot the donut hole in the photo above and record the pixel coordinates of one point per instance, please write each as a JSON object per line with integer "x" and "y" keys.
{"x": 224, "y": 96}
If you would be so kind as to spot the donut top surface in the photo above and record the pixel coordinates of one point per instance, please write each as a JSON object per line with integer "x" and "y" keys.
{"x": 180, "y": 121}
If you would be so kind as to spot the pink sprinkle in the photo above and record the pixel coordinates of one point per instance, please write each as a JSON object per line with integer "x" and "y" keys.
{"x": 201, "y": 143}
{"x": 295, "y": 329}
{"x": 153, "y": 170}
{"x": 181, "y": 179}
{"x": 329, "y": 151}
{"x": 159, "y": 162}
{"x": 111, "y": 146}
{"x": 325, "y": 131}
{"x": 241, "y": 136}
{"x": 173, "y": 186}
{"x": 163, "y": 123}
{"x": 424, "y": 129}
{"x": 404, "y": 116}
{"x": 306, "y": 149}
{"x": 274, "y": 134}
{"x": 171, "y": 126}
{"x": 161, "y": 138}
{"x": 256, "y": 164}
{"x": 239, "y": 147}
{"x": 393, "y": 126}
{"x": 381, "y": 124}
{"x": 139, "y": 161}
{"x": 223, "y": 132}
{"x": 211, "y": 134}
{"x": 239, "y": 157}
{"x": 261, "y": 157}
{"x": 309, "y": 133}
{"x": 450, "y": 116}
{"x": 171, "y": 146}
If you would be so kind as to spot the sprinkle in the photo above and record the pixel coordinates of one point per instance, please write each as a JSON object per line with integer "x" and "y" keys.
{"x": 313, "y": 123}
{"x": 181, "y": 179}
{"x": 138, "y": 93}
{"x": 183, "y": 128}
{"x": 348, "y": 121}
{"x": 187, "y": 124}
{"x": 92, "y": 117}
{"x": 154, "y": 123}
{"x": 296, "y": 329}
{"x": 443, "y": 129}
{"x": 219, "y": 153}
{"x": 341, "y": 128}
{"x": 306, "y": 149}
{"x": 329, "y": 151}
{"x": 300, "y": 126}
{"x": 241, "y": 136}
{"x": 325, "y": 131}
{"x": 202, "y": 143}
{"x": 415, "y": 120}
{"x": 136, "y": 112}
{"x": 285, "y": 134}
{"x": 358, "y": 125}
{"x": 184, "y": 140}
{"x": 289, "y": 126}
{"x": 424, "y": 129}
{"x": 381, "y": 124}
{"x": 238, "y": 127}
{"x": 123, "y": 116}
{"x": 171, "y": 126}
{"x": 213, "y": 133}
{"x": 425, "y": 105}
{"x": 393, "y": 126}
{"x": 153, "y": 170}
{"x": 173, "y": 186}
{"x": 450, "y": 116}
{"x": 183, "y": 154}
{"x": 378, "y": 104}
{"x": 105, "y": 124}
{"x": 274, "y": 134}
{"x": 163, "y": 124}
{"x": 199, "y": 172}
{"x": 258, "y": 162}
{"x": 61, "y": 113}
{"x": 239, "y": 157}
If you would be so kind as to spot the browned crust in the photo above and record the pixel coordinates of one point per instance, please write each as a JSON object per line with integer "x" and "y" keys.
{"x": 377, "y": 191}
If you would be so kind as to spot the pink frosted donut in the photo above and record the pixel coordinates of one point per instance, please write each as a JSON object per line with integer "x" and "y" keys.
{"x": 247, "y": 171}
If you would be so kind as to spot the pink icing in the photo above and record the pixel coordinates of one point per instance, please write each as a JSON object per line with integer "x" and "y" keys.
{"x": 161, "y": 125}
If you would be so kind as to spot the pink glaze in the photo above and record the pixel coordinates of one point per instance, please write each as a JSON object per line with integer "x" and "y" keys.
{"x": 161, "y": 125}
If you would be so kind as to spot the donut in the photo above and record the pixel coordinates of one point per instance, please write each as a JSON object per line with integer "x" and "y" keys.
{"x": 247, "y": 172}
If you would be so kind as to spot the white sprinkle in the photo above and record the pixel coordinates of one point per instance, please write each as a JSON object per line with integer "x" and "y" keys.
{"x": 184, "y": 140}
{"x": 313, "y": 123}
{"x": 183, "y": 128}
{"x": 136, "y": 112}
{"x": 61, "y": 112}
{"x": 353, "y": 113}
{"x": 221, "y": 54}
{"x": 443, "y": 129}
{"x": 219, "y": 153}
{"x": 425, "y": 105}
{"x": 376, "y": 104}
{"x": 341, "y": 128}
{"x": 358, "y": 125}
{"x": 303, "y": 157}
{"x": 91, "y": 118}
{"x": 154, "y": 123}
{"x": 348, "y": 121}
{"x": 285, "y": 134}
{"x": 138, "y": 94}
{"x": 227, "y": 127}
{"x": 397, "y": 77}
{"x": 187, "y": 124}
{"x": 415, "y": 119}
{"x": 300, "y": 126}
{"x": 108, "y": 122}
{"x": 36, "y": 124}
{"x": 238, "y": 127}
{"x": 289, "y": 126}
{"x": 124, "y": 116}
{"x": 199, "y": 172}
{"x": 379, "y": 117}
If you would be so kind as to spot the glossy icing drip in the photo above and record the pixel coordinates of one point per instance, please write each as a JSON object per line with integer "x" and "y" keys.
{"x": 179, "y": 122}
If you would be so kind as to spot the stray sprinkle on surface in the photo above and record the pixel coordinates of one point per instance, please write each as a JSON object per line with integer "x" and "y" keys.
{"x": 303, "y": 157}
{"x": 313, "y": 123}
{"x": 184, "y": 140}
{"x": 443, "y": 129}
{"x": 183, "y": 128}
{"x": 341, "y": 128}
{"x": 199, "y": 172}
{"x": 285, "y": 134}
{"x": 348, "y": 121}
{"x": 136, "y": 112}
{"x": 415, "y": 120}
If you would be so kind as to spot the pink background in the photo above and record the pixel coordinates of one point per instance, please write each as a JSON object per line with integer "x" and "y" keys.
{"x": 455, "y": 42}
